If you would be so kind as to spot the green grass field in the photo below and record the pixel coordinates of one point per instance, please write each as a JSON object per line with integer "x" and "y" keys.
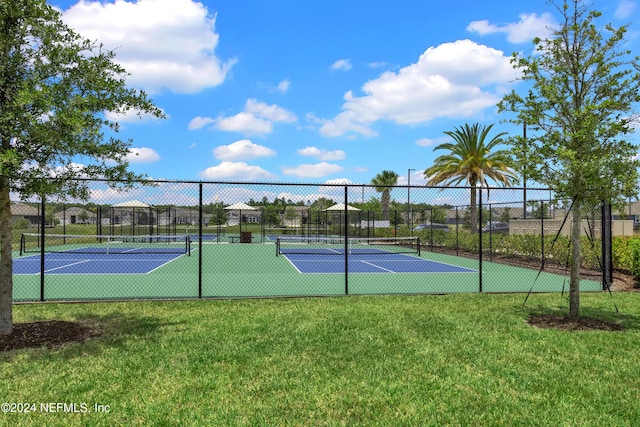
{"x": 463, "y": 359}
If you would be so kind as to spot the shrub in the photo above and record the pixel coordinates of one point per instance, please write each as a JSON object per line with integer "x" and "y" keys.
{"x": 21, "y": 224}
{"x": 626, "y": 254}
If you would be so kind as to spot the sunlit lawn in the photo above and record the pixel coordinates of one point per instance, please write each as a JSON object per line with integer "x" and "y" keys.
{"x": 410, "y": 360}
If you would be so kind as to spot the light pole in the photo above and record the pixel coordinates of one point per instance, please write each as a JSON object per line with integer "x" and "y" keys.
{"x": 409, "y": 216}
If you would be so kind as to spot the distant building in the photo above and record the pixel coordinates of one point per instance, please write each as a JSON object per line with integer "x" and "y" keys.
{"x": 75, "y": 215}
{"x": 23, "y": 211}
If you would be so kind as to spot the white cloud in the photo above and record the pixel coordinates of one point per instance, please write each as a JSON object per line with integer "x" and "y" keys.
{"x": 311, "y": 170}
{"x": 417, "y": 178}
{"x": 342, "y": 65}
{"x": 256, "y": 119}
{"x": 379, "y": 64}
{"x": 525, "y": 30}
{"x": 283, "y": 86}
{"x": 142, "y": 155}
{"x": 246, "y": 123}
{"x": 458, "y": 79}
{"x": 334, "y": 189}
{"x": 625, "y": 9}
{"x": 428, "y": 142}
{"x": 322, "y": 154}
{"x": 200, "y": 122}
{"x": 237, "y": 170}
{"x": 164, "y": 44}
{"x": 425, "y": 142}
{"x": 272, "y": 112}
{"x": 111, "y": 194}
{"x": 242, "y": 150}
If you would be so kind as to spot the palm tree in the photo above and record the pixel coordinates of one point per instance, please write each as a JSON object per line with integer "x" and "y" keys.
{"x": 383, "y": 183}
{"x": 471, "y": 159}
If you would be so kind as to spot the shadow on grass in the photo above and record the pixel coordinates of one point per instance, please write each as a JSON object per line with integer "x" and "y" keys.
{"x": 624, "y": 321}
{"x": 88, "y": 335}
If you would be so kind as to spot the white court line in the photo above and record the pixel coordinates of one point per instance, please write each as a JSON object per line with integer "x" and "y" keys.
{"x": 377, "y": 266}
{"x": 67, "y": 265}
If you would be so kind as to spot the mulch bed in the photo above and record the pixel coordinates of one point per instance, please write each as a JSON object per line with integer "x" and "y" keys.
{"x": 49, "y": 334}
{"x": 556, "y": 321}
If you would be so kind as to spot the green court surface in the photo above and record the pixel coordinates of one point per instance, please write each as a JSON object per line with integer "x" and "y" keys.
{"x": 254, "y": 270}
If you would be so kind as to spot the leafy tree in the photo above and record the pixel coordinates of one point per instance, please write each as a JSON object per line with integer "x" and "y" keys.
{"x": 372, "y": 205}
{"x": 270, "y": 215}
{"x": 472, "y": 159}
{"x": 55, "y": 91}
{"x": 322, "y": 203}
{"x": 219, "y": 215}
{"x": 50, "y": 218}
{"x": 582, "y": 85}
{"x": 291, "y": 215}
{"x": 84, "y": 216}
{"x": 539, "y": 209}
{"x": 438, "y": 215}
{"x": 505, "y": 216}
{"x": 383, "y": 183}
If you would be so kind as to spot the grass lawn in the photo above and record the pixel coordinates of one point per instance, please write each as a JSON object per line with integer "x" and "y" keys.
{"x": 465, "y": 359}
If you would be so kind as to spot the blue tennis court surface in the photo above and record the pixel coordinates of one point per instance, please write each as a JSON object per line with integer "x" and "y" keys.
{"x": 93, "y": 263}
{"x": 370, "y": 263}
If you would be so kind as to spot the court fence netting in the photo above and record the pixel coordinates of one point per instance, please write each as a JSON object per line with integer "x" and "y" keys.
{"x": 196, "y": 239}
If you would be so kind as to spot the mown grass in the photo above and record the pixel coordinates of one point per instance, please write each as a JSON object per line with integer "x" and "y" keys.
{"x": 352, "y": 361}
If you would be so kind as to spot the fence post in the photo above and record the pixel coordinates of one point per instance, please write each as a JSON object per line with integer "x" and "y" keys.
{"x": 479, "y": 239}
{"x": 542, "y": 232}
{"x": 42, "y": 242}
{"x": 200, "y": 242}
{"x": 346, "y": 241}
{"x": 607, "y": 255}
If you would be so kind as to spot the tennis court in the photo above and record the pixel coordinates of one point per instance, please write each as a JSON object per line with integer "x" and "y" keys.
{"x": 151, "y": 268}
{"x": 395, "y": 263}
{"x": 84, "y": 262}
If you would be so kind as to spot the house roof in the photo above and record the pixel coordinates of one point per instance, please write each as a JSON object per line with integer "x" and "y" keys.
{"x": 20, "y": 209}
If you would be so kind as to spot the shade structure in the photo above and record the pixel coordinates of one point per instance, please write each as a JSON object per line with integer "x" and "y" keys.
{"x": 340, "y": 207}
{"x": 244, "y": 237}
{"x": 240, "y": 207}
{"x": 131, "y": 204}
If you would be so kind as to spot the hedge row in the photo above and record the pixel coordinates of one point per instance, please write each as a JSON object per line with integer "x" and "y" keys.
{"x": 527, "y": 247}
{"x": 626, "y": 254}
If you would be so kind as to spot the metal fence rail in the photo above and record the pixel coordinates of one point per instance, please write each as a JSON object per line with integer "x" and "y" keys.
{"x": 179, "y": 239}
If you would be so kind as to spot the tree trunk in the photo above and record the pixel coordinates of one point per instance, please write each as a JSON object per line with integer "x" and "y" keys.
{"x": 574, "y": 281}
{"x": 385, "y": 201}
{"x": 474, "y": 211}
{"x": 6, "y": 261}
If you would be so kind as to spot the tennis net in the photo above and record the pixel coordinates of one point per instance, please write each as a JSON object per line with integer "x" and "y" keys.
{"x": 103, "y": 244}
{"x": 352, "y": 246}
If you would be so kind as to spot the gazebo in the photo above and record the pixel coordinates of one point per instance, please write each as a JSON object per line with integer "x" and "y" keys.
{"x": 339, "y": 209}
{"x": 132, "y": 213}
{"x": 239, "y": 207}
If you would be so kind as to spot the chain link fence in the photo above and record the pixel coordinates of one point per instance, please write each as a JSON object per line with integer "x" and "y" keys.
{"x": 221, "y": 239}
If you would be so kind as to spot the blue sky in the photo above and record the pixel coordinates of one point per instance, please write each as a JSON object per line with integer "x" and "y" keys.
{"x": 313, "y": 91}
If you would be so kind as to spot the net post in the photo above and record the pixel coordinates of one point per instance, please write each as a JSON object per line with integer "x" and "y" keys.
{"x": 419, "y": 246}
{"x": 22, "y": 244}
{"x": 278, "y": 246}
